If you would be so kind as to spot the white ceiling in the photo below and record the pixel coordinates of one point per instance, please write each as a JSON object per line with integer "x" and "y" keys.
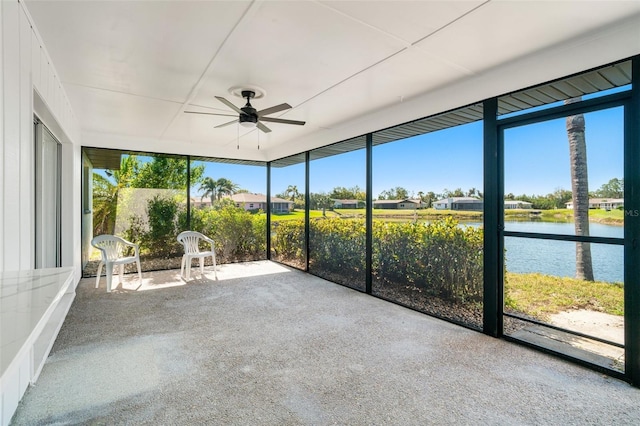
{"x": 131, "y": 68}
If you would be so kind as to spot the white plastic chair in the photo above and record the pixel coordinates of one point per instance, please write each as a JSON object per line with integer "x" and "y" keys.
{"x": 191, "y": 243}
{"x": 112, "y": 249}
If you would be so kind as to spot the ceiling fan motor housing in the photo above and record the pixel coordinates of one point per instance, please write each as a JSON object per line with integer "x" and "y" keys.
{"x": 250, "y": 115}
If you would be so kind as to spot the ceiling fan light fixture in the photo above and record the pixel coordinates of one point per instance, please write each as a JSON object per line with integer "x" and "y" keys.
{"x": 248, "y": 124}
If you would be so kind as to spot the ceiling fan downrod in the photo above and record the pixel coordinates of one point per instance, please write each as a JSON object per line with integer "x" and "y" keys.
{"x": 250, "y": 115}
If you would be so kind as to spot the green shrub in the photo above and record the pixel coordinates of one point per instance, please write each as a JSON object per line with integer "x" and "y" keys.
{"x": 287, "y": 240}
{"x": 338, "y": 246}
{"x": 160, "y": 239}
{"x": 238, "y": 234}
{"x": 441, "y": 258}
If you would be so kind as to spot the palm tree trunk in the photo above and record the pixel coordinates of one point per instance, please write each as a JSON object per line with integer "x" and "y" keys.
{"x": 580, "y": 188}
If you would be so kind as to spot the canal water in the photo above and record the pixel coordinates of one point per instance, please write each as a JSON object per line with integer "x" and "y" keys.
{"x": 524, "y": 255}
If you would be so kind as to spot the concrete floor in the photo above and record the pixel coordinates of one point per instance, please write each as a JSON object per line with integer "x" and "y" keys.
{"x": 268, "y": 345}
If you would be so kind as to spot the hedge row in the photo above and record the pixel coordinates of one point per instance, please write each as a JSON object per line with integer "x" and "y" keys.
{"x": 441, "y": 258}
{"x": 239, "y": 235}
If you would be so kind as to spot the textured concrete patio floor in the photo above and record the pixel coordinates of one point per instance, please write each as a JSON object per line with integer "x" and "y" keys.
{"x": 269, "y": 345}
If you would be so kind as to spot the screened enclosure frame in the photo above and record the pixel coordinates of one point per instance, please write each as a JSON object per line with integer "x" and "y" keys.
{"x": 595, "y": 80}
{"x": 494, "y": 113}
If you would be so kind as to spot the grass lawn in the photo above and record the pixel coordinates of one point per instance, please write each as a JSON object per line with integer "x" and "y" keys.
{"x": 410, "y": 213}
{"x": 613, "y": 217}
{"x": 540, "y": 295}
{"x": 299, "y": 214}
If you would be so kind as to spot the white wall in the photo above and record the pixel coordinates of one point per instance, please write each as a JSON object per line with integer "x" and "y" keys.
{"x": 29, "y": 84}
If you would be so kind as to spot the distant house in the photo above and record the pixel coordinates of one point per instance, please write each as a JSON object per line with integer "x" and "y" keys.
{"x": 459, "y": 203}
{"x": 406, "y": 204}
{"x": 250, "y": 201}
{"x": 517, "y": 204}
{"x": 200, "y": 203}
{"x": 601, "y": 203}
{"x": 347, "y": 204}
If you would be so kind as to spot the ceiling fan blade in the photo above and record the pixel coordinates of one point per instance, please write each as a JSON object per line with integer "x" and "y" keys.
{"x": 282, "y": 121}
{"x": 226, "y": 124}
{"x": 263, "y": 127}
{"x": 229, "y": 104}
{"x": 208, "y": 113}
{"x": 274, "y": 109}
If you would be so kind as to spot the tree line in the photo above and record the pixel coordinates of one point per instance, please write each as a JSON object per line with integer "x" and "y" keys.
{"x": 554, "y": 200}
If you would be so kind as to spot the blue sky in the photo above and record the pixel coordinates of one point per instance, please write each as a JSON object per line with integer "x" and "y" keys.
{"x": 536, "y": 161}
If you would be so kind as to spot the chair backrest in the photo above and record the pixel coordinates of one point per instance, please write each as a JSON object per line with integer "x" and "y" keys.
{"x": 191, "y": 241}
{"x": 110, "y": 246}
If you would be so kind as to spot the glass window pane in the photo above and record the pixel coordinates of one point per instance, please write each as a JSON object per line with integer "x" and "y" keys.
{"x": 337, "y": 232}
{"x": 427, "y": 242}
{"x": 540, "y": 284}
{"x": 228, "y": 204}
{"x": 142, "y": 198}
{"x": 540, "y": 189}
{"x": 288, "y": 211}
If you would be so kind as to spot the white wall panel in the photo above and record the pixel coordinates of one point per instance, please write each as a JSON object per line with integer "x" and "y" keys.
{"x": 35, "y": 60}
{"x": 50, "y": 85}
{"x": 26, "y": 145}
{"x": 11, "y": 117}
{"x": 25, "y": 66}
{"x": 44, "y": 73}
{"x": 56, "y": 103}
{"x": 71, "y": 201}
{"x": 1, "y": 140}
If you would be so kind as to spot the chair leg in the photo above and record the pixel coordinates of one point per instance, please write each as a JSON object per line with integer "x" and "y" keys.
{"x": 98, "y": 274}
{"x": 109, "y": 267}
{"x": 139, "y": 270}
{"x": 188, "y": 266}
{"x": 201, "y": 262}
{"x": 182, "y": 266}
{"x": 213, "y": 257}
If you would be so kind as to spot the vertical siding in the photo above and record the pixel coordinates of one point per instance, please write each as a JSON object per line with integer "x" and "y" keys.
{"x": 11, "y": 167}
{"x": 1, "y": 136}
{"x": 26, "y": 146}
{"x": 24, "y": 67}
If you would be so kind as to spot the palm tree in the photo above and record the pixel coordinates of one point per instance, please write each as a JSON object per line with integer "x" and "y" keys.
{"x": 210, "y": 188}
{"x": 106, "y": 191}
{"x": 105, "y": 197}
{"x": 580, "y": 187}
{"x": 226, "y": 187}
{"x": 292, "y": 192}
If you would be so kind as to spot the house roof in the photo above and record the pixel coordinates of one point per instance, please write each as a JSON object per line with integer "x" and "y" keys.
{"x": 457, "y": 200}
{"x": 406, "y": 200}
{"x": 517, "y": 201}
{"x": 346, "y": 201}
{"x": 247, "y": 197}
{"x": 128, "y": 70}
{"x": 606, "y": 200}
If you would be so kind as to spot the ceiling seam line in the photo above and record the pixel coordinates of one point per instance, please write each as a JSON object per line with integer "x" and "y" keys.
{"x": 119, "y": 92}
{"x": 404, "y": 42}
{"x": 412, "y": 45}
{"x": 452, "y": 22}
{"x": 207, "y": 70}
{"x": 349, "y": 77}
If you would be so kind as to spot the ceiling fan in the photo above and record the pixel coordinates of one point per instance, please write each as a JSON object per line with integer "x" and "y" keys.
{"x": 248, "y": 116}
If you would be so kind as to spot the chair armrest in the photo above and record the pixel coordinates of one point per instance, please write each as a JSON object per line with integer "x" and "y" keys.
{"x": 135, "y": 246}
{"x": 103, "y": 254}
{"x": 210, "y": 241}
